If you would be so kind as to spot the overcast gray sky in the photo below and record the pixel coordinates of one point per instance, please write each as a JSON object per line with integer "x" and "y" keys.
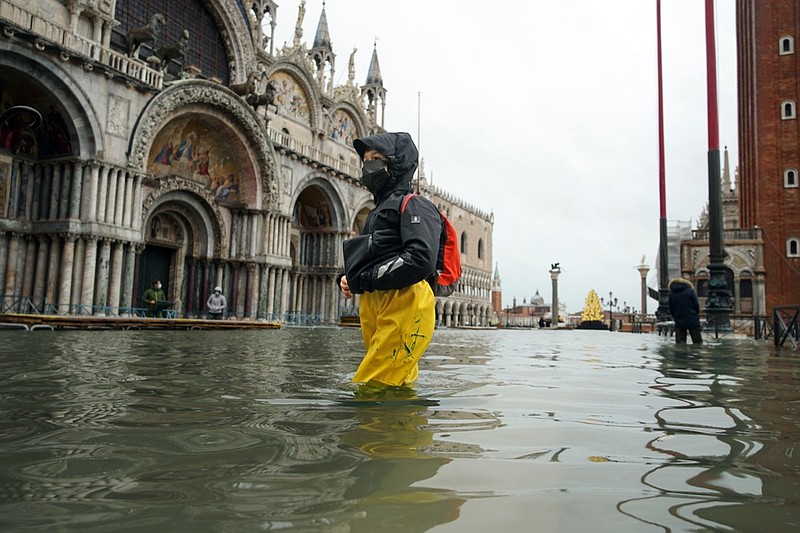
{"x": 545, "y": 113}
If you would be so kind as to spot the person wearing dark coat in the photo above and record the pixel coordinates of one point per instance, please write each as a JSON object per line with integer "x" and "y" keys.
{"x": 389, "y": 263}
{"x": 685, "y": 310}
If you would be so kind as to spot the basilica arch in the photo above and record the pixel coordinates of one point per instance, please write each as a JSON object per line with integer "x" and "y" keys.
{"x": 318, "y": 229}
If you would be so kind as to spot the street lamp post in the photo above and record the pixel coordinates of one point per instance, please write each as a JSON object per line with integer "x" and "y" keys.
{"x": 612, "y": 302}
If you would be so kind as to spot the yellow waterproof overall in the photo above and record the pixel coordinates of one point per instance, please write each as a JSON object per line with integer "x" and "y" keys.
{"x": 397, "y": 326}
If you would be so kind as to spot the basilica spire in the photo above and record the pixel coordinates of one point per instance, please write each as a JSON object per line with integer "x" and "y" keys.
{"x": 374, "y": 90}
{"x": 323, "y": 38}
{"x": 322, "y": 54}
{"x": 374, "y": 73}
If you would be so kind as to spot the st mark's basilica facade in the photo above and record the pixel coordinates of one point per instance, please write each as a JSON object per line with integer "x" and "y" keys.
{"x": 179, "y": 142}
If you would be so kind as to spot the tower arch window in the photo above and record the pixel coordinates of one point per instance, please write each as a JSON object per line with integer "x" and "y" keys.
{"x": 793, "y": 247}
{"x": 480, "y": 248}
{"x": 746, "y": 287}
{"x": 788, "y": 110}
{"x": 786, "y": 45}
{"x": 790, "y": 178}
{"x": 463, "y": 242}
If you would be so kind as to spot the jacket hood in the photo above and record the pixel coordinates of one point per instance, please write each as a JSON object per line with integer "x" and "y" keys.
{"x": 401, "y": 153}
{"x": 680, "y": 284}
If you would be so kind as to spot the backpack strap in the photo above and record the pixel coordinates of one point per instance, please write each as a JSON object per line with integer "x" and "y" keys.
{"x": 406, "y": 198}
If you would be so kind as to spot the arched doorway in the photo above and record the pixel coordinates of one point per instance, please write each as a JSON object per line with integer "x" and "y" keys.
{"x": 315, "y": 251}
{"x": 180, "y": 235}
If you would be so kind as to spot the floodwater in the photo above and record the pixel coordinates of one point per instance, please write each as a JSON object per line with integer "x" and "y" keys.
{"x": 520, "y": 430}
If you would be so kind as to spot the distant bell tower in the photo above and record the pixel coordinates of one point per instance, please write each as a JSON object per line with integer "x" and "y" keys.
{"x": 373, "y": 89}
{"x": 497, "y": 291}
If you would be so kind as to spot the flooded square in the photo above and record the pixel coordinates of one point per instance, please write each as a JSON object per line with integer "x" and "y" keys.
{"x": 507, "y": 430}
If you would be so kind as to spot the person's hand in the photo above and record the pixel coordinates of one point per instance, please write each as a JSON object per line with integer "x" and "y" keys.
{"x": 345, "y": 288}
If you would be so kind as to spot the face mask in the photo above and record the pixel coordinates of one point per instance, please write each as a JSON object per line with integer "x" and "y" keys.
{"x": 375, "y": 175}
{"x": 216, "y": 292}
{"x": 158, "y": 286}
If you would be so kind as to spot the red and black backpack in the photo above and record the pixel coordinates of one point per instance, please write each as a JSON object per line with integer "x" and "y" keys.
{"x": 448, "y": 261}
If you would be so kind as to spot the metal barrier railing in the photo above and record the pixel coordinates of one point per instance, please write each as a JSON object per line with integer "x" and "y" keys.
{"x": 785, "y": 325}
{"x": 302, "y": 319}
{"x": 27, "y": 306}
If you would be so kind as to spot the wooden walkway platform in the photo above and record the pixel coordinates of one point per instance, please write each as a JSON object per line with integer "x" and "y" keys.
{"x": 32, "y": 322}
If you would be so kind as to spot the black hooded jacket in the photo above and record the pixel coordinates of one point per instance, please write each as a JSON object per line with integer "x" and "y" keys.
{"x": 683, "y": 304}
{"x": 395, "y": 250}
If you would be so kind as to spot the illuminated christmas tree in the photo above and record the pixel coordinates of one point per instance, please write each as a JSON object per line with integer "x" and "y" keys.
{"x": 592, "y": 314}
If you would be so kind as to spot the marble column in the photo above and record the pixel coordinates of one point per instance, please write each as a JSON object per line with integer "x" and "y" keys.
{"x": 126, "y": 298}
{"x": 284, "y": 286}
{"x": 89, "y": 266}
{"x": 11, "y": 266}
{"x": 255, "y": 229}
{"x": 333, "y": 292}
{"x": 36, "y": 194}
{"x": 276, "y": 304}
{"x": 190, "y": 288}
{"x": 102, "y": 194}
{"x": 234, "y": 293}
{"x": 40, "y": 278}
{"x": 219, "y": 275}
{"x": 28, "y": 270}
{"x": 137, "y": 250}
{"x": 65, "y": 280}
{"x": 53, "y": 269}
{"x": 46, "y": 192}
{"x": 119, "y": 203}
{"x": 263, "y": 289}
{"x": 268, "y": 240}
{"x": 271, "y": 294}
{"x": 115, "y": 281}
{"x": 77, "y": 274}
{"x": 176, "y": 290}
{"x": 137, "y": 202}
{"x": 234, "y": 250}
{"x": 127, "y": 218}
{"x": 206, "y": 266}
{"x": 101, "y": 289}
{"x": 55, "y": 192}
{"x": 111, "y": 195}
{"x": 75, "y": 186}
{"x": 248, "y": 291}
{"x": 3, "y": 263}
{"x": 91, "y": 180}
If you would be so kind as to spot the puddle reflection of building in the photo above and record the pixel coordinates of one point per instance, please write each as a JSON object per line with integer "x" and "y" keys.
{"x": 393, "y": 432}
{"x": 732, "y": 436}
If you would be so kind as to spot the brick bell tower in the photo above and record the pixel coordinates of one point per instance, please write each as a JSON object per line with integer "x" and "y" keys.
{"x": 497, "y": 292}
{"x": 769, "y": 139}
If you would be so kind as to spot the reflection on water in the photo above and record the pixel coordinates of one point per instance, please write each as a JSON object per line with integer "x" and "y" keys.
{"x": 506, "y": 430}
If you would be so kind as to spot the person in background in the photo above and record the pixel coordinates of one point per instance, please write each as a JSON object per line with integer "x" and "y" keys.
{"x": 388, "y": 264}
{"x": 216, "y": 304}
{"x": 685, "y": 310}
{"x": 154, "y": 298}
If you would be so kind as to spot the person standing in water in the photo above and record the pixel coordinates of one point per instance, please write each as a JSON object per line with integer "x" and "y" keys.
{"x": 685, "y": 311}
{"x": 389, "y": 263}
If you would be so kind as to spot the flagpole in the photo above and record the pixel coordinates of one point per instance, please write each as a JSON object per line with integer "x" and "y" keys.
{"x": 419, "y": 139}
{"x": 662, "y": 313}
